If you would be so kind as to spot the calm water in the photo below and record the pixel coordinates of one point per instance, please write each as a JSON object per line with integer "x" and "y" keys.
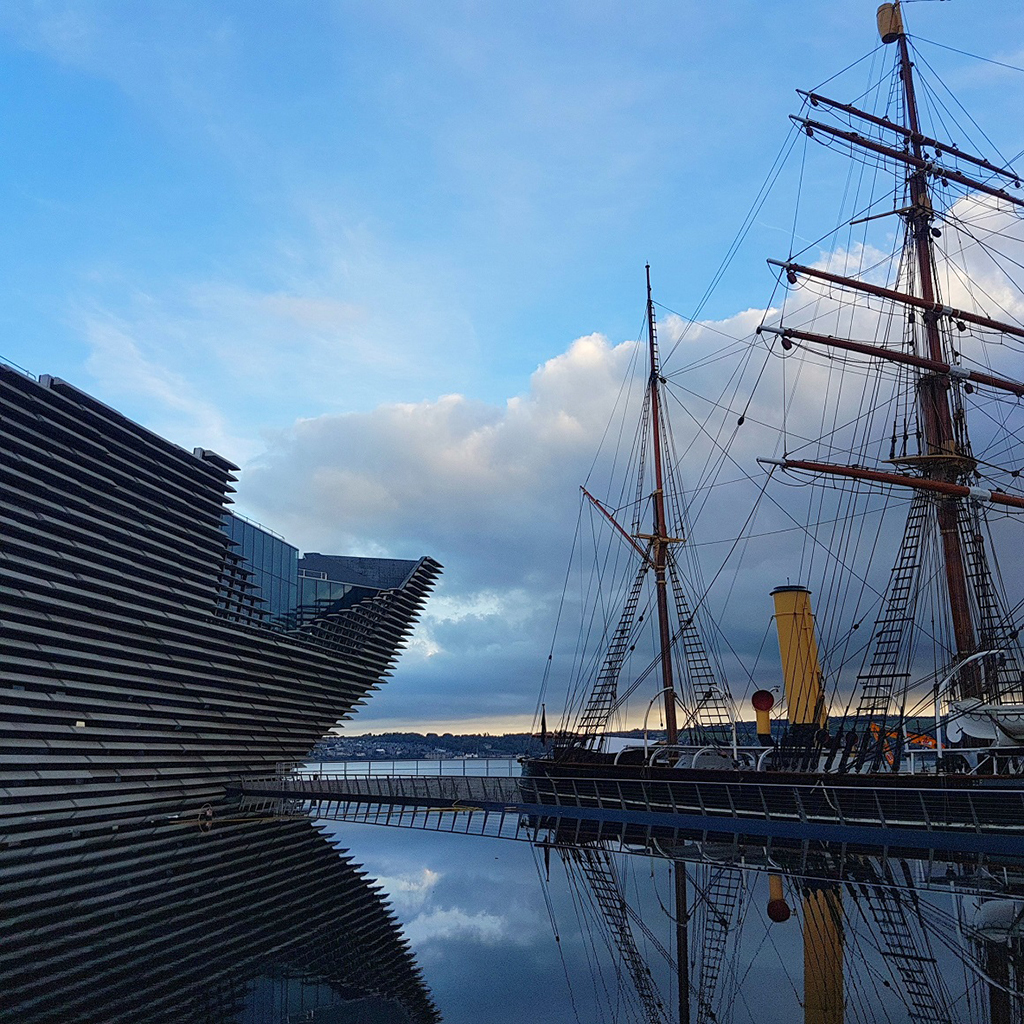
{"x": 483, "y": 915}
{"x": 218, "y": 916}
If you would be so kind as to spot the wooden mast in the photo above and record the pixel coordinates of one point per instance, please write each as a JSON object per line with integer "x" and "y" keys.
{"x": 660, "y": 538}
{"x": 933, "y": 391}
{"x": 944, "y": 464}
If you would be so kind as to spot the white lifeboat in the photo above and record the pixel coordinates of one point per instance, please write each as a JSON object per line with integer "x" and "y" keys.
{"x": 1003, "y": 723}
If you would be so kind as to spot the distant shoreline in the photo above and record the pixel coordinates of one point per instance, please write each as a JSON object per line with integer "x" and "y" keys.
{"x": 409, "y": 746}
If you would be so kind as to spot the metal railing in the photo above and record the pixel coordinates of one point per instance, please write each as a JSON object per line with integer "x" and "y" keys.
{"x": 489, "y": 767}
{"x": 819, "y": 802}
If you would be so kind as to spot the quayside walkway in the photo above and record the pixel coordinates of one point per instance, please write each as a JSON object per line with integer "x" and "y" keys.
{"x": 966, "y": 821}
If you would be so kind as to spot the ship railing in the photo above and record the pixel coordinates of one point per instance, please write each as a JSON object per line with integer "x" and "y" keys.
{"x": 823, "y": 801}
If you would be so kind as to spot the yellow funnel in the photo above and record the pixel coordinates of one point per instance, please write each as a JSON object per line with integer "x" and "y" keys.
{"x": 801, "y": 670}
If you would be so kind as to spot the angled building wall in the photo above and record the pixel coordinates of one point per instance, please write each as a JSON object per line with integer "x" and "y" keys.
{"x": 139, "y": 664}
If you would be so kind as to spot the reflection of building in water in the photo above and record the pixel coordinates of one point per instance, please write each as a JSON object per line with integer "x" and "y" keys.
{"x": 147, "y": 655}
{"x": 247, "y": 923}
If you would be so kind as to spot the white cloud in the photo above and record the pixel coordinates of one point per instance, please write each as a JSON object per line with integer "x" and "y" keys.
{"x": 408, "y": 892}
{"x": 445, "y": 925}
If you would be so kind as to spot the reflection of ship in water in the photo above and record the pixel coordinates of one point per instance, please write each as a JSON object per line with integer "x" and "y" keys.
{"x": 883, "y": 937}
{"x": 700, "y": 923}
{"x": 221, "y": 920}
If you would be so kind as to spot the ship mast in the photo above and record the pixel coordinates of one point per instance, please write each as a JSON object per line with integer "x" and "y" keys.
{"x": 943, "y": 470}
{"x": 660, "y": 541}
{"x": 660, "y": 536}
{"x": 944, "y": 460}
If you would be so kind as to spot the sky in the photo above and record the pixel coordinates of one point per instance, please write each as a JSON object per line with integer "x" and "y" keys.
{"x": 388, "y": 257}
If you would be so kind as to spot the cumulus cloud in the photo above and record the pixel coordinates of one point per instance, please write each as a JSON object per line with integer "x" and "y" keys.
{"x": 445, "y": 925}
{"x": 448, "y": 472}
{"x": 408, "y": 892}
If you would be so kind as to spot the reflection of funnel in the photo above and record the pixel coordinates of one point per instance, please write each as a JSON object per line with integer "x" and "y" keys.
{"x": 778, "y": 908}
{"x": 823, "y": 956}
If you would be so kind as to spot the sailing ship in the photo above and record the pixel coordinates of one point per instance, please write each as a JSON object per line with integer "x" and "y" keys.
{"x": 932, "y": 737}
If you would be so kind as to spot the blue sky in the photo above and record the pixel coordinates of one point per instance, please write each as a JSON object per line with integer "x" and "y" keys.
{"x": 350, "y": 243}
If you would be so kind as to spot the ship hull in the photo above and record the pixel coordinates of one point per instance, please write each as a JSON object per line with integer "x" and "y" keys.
{"x": 915, "y": 810}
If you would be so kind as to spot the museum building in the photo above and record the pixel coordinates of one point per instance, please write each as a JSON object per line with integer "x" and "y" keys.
{"x": 155, "y": 646}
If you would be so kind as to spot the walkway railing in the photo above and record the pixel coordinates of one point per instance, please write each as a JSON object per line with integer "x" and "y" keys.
{"x": 868, "y": 813}
{"x": 497, "y": 767}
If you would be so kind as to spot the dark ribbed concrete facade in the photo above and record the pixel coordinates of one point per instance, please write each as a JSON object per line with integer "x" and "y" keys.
{"x": 138, "y": 666}
{"x": 213, "y": 923}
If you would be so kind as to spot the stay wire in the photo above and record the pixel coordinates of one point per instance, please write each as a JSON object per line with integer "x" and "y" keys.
{"x": 759, "y": 200}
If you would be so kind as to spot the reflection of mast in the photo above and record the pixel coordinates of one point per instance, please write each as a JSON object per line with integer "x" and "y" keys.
{"x": 713, "y": 915}
{"x": 596, "y": 867}
{"x": 682, "y": 940}
{"x": 719, "y": 899}
{"x": 904, "y": 940}
{"x": 997, "y": 967}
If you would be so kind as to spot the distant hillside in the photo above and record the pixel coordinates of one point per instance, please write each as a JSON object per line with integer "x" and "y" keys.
{"x": 402, "y": 745}
{"x": 412, "y": 745}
